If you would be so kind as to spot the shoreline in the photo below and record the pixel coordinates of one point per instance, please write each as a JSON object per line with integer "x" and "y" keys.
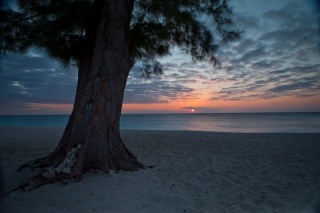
{"x": 195, "y": 172}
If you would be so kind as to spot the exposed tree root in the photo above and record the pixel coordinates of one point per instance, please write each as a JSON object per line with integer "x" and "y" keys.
{"x": 34, "y": 164}
{"x": 36, "y": 182}
{"x": 129, "y": 163}
{"x": 22, "y": 187}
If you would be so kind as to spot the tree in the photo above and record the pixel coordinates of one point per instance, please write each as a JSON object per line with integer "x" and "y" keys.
{"x": 104, "y": 38}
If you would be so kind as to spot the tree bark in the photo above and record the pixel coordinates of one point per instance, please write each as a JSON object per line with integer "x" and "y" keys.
{"x": 95, "y": 120}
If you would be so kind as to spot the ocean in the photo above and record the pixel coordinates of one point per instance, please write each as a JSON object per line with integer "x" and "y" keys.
{"x": 216, "y": 122}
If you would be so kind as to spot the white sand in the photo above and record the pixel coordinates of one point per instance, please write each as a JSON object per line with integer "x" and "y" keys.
{"x": 195, "y": 172}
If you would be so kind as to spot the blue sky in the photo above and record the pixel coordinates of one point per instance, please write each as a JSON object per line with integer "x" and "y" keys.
{"x": 274, "y": 67}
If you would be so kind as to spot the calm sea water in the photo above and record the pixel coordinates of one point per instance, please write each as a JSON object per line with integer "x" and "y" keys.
{"x": 231, "y": 122}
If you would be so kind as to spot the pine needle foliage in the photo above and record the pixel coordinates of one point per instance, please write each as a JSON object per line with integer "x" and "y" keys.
{"x": 62, "y": 29}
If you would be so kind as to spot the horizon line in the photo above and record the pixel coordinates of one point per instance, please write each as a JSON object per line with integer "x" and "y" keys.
{"x": 168, "y": 113}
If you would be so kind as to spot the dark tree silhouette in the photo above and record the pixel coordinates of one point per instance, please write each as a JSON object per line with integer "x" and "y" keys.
{"x": 104, "y": 38}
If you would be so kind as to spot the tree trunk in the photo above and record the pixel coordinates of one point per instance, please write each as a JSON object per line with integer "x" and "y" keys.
{"x": 92, "y": 139}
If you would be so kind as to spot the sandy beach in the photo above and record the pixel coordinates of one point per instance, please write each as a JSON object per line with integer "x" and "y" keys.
{"x": 194, "y": 172}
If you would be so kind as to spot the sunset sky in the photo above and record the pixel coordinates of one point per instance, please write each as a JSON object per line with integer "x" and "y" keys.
{"x": 274, "y": 68}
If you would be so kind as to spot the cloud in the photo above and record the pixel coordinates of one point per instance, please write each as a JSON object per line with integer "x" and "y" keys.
{"x": 292, "y": 87}
{"x": 247, "y": 22}
{"x": 279, "y": 55}
{"x": 281, "y": 59}
{"x": 253, "y": 55}
{"x": 156, "y": 93}
{"x": 159, "y": 89}
{"x": 271, "y": 87}
{"x": 266, "y": 64}
{"x": 29, "y": 78}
